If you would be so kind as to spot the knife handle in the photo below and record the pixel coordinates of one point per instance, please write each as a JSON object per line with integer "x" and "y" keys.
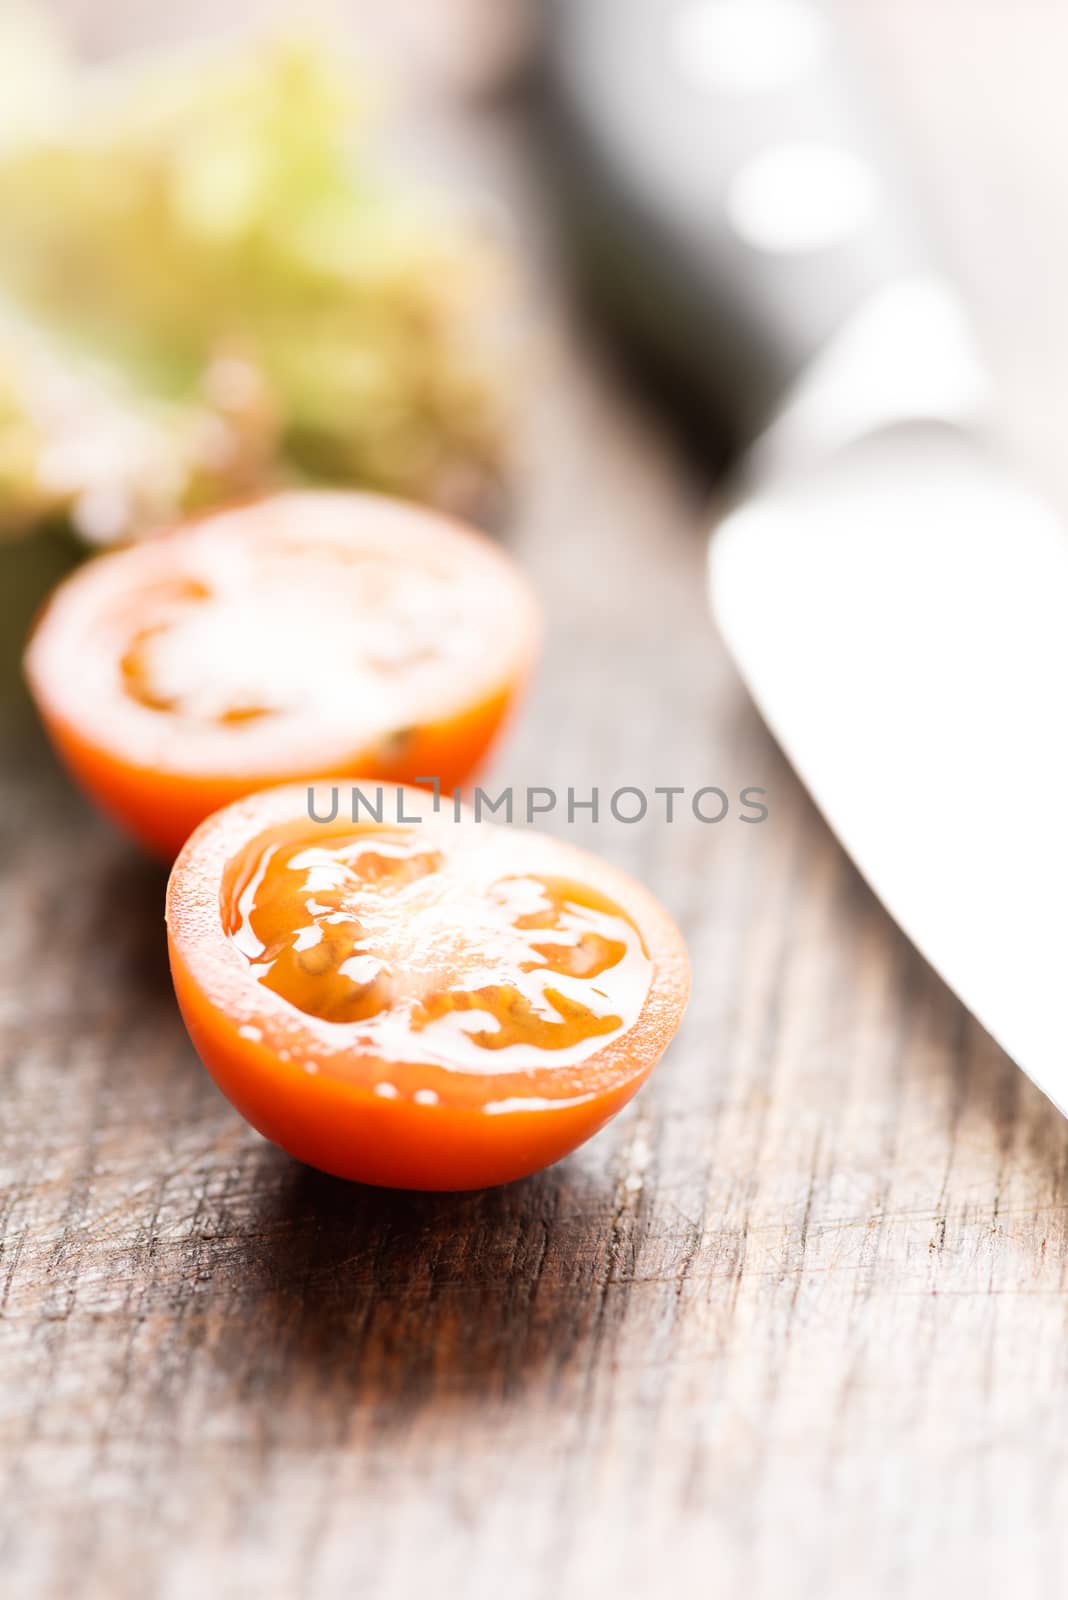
{"x": 731, "y": 199}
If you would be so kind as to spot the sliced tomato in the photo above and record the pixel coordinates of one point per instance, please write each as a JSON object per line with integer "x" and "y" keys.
{"x": 292, "y": 637}
{"x": 427, "y": 1004}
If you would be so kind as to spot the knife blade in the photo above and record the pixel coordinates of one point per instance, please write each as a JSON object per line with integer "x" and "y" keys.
{"x": 895, "y": 596}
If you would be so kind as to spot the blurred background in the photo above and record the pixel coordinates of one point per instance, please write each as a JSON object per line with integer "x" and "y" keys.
{"x": 439, "y": 122}
{"x": 794, "y": 1324}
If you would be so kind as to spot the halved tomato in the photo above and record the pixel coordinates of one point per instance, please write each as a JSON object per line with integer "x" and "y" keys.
{"x": 419, "y": 1002}
{"x": 292, "y": 637}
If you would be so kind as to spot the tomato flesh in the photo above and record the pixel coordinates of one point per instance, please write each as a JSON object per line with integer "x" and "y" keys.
{"x": 437, "y": 1005}
{"x": 339, "y": 931}
{"x": 289, "y": 638}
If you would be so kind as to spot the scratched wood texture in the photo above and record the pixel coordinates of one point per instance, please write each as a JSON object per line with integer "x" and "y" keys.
{"x": 797, "y": 1324}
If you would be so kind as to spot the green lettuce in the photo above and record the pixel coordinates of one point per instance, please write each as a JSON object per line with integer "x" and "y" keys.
{"x": 208, "y": 283}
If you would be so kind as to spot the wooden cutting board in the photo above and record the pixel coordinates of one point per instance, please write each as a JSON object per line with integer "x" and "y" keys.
{"x": 795, "y": 1325}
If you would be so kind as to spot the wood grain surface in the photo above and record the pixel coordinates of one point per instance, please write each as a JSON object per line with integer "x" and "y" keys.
{"x": 795, "y": 1325}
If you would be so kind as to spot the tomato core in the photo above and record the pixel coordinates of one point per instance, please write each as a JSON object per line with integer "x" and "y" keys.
{"x": 256, "y": 642}
{"x": 360, "y": 928}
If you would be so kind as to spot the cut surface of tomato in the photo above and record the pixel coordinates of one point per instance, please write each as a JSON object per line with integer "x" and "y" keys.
{"x": 432, "y": 1004}
{"x": 292, "y": 637}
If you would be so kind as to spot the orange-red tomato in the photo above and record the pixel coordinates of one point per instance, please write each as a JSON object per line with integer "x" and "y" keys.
{"x": 427, "y": 1004}
{"x": 296, "y": 636}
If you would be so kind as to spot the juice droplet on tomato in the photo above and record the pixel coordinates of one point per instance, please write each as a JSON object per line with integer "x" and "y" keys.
{"x": 374, "y": 928}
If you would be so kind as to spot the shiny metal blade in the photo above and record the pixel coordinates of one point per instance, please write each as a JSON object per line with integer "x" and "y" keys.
{"x": 900, "y": 615}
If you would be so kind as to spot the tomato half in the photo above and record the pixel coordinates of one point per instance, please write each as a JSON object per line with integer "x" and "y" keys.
{"x": 426, "y": 1004}
{"x": 293, "y": 637}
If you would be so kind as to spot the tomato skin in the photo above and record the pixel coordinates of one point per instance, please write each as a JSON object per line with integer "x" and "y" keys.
{"x": 144, "y": 769}
{"x": 351, "y": 1133}
{"x": 161, "y": 809}
{"x": 331, "y": 1116}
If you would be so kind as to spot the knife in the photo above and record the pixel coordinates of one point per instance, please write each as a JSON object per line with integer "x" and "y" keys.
{"x": 894, "y": 595}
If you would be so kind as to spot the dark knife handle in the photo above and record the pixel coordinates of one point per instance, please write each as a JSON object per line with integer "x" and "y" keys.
{"x": 725, "y": 184}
